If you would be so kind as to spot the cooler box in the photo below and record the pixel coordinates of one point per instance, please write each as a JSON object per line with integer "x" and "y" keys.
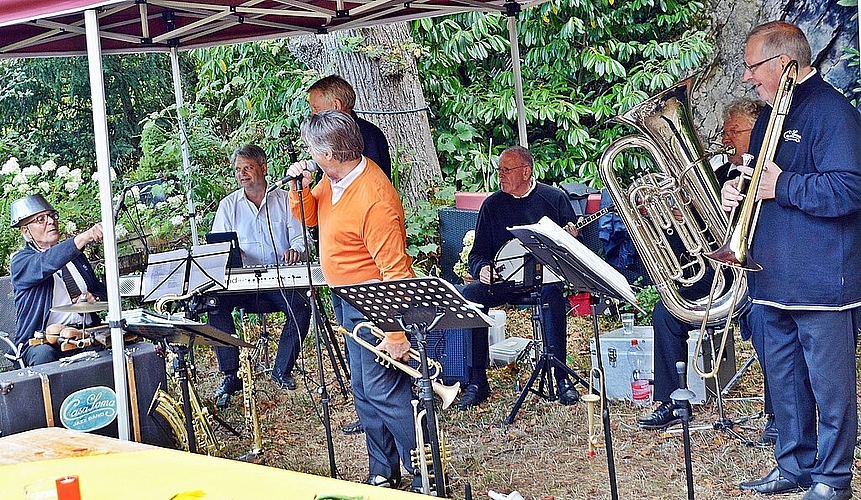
{"x": 618, "y": 367}
{"x": 508, "y": 351}
{"x": 80, "y": 395}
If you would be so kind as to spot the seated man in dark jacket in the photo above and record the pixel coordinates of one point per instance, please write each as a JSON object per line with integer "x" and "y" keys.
{"x": 48, "y": 273}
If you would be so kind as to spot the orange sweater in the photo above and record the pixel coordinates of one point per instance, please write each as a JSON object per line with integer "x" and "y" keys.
{"x": 362, "y": 237}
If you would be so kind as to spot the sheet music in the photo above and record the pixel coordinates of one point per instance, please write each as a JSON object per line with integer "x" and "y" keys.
{"x": 585, "y": 257}
{"x": 209, "y": 264}
{"x": 165, "y": 274}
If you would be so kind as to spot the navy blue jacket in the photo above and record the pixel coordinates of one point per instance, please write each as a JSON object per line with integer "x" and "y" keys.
{"x": 33, "y": 282}
{"x": 376, "y": 145}
{"x": 808, "y": 239}
{"x": 501, "y": 211}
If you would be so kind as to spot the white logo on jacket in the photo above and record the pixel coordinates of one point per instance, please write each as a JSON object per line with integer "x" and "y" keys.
{"x": 792, "y": 135}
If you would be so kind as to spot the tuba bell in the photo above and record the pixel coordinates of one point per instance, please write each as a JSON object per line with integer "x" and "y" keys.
{"x": 679, "y": 198}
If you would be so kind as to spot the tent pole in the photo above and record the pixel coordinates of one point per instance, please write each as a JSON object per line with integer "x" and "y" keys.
{"x": 513, "y": 9}
{"x": 183, "y": 141}
{"x": 103, "y": 162}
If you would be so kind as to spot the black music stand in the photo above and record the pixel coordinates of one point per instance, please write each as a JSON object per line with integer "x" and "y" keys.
{"x": 179, "y": 334}
{"x": 418, "y": 306}
{"x": 579, "y": 267}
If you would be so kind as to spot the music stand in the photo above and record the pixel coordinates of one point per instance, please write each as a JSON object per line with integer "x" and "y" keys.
{"x": 179, "y": 334}
{"x": 418, "y": 306}
{"x": 581, "y": 268}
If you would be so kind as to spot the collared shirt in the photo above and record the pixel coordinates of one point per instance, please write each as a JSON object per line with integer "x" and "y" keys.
{"x": 264, "y": 233}
{"x": 338, "y": 187}
{"x": 532, "y": 185}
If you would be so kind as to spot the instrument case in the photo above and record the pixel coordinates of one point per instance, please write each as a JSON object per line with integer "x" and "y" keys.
{"x": 78, "y": 393}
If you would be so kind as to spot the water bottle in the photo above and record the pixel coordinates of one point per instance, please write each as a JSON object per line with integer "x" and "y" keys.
{"x": 640, "y": 389}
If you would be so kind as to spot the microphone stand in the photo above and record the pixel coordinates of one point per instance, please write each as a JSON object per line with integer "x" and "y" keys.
{"x": 316, "y": 318}
{"x": 682, "y": 397}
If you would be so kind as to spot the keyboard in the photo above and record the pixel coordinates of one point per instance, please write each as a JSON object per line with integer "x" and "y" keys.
{"x": 245, "y": 279}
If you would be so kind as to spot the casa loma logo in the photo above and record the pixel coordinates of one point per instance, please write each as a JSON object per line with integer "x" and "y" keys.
{"x": 792, "y": 135}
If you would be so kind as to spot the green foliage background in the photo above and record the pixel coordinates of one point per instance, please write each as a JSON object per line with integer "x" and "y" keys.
{"x": 583, "y": 63}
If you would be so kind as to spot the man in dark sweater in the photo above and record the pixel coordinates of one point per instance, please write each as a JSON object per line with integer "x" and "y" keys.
{"x": 47, "y": 273}
{"x": 805, "y": 299}
{"x": 520, "y": 200}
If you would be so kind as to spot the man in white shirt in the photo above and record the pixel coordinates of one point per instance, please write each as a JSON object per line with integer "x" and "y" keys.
{"x": 269, "y": 235}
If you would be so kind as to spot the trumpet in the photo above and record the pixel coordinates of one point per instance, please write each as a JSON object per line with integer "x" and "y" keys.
{"x": 447, "y": 393}
{"x": 593, "y": 418}
{"x": 422, "y": 455}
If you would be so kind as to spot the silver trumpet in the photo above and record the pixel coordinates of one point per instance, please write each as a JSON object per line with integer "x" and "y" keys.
{"x": 447, "y": 393}
{"x": 422, "y": 455}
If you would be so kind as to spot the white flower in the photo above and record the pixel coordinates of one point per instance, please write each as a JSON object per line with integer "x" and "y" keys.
{"x": 32, "y": 170}
{"x": 70, "y": 227}
{"x": 76, "y": 175}
{"x": 44, "y": 186}
{"x": 177, "y": 220}
{"x": 11, "y": 167}
{"x": 20, "y": 178}
{"x": 121, "y": 230}
{"x": 49, "y": 166}
{"x": 8, "y": 188}
{"x": 62, "y": 171}
{"x": 175, "y": 201}
{"x": 140, "y": 207}
{"x": 72, "y": 186}
{"x": 24, "y": 188}
{"x": 160, "y": 204}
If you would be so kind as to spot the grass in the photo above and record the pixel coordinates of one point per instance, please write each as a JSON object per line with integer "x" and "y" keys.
{"x": 543, "y": 454}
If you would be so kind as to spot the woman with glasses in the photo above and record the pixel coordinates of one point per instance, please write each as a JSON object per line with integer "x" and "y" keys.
{"x": 48, "y": 273}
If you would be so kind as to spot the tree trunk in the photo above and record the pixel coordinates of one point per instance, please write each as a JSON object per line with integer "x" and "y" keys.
{"x": 828, "y": 26}
{"x": 388, "y": 93}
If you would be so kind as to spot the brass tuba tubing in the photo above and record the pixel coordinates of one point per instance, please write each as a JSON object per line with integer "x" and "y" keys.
{"x": 447, "y": 393}
{"x": 594, "y": 412}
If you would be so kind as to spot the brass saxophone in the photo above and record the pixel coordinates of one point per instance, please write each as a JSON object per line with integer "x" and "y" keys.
{"x": 249, "y": 396}
{"x": 165, "y": 405}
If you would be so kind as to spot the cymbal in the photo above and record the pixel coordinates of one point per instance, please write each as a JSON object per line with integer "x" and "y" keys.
{"x": 81, "y": 307}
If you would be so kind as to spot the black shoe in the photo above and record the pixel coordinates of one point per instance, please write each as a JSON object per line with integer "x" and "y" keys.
{"x": 769, "y": 435}
{"x": 821, "y": 491}
{"x": 663, "y": 417}
{"x": 353, "y": 428}
{"x": 772, "y": 483}
{"x": 472, "y": 396}
{"x": 568, "y": 395}
{"x": 383, "y": 481}
{"x": 230, "y": 384}
{"x": 285, "y": 382}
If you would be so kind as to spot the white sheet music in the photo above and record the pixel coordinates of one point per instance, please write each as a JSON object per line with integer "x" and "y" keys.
{"x": 209, "y": 264}
{"x": 579, "y": 251}
{"x": 165, "y": 273}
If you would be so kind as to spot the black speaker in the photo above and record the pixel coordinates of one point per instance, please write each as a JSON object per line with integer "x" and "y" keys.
{"x": 7, "y": 306}
{"x": 78, "y": 393}
{"x": 449, "y": 347}
{"x": 453, "y": 225}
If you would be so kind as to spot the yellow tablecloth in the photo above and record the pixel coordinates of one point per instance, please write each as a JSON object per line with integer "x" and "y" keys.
{"x": 159, "y": 474}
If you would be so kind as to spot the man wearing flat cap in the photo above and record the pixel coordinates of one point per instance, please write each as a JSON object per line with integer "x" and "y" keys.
{"x": 48, "y": 273}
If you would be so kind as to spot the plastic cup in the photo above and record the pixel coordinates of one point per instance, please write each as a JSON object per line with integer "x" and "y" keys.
{"x": 628, "y": 323}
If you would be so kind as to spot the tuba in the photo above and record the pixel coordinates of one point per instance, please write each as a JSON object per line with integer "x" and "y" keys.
{"x": 680, "y": 199}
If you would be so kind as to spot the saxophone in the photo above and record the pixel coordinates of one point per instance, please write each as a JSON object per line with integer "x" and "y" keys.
{"x": 171, "y": 410}
{"x": 249, "y": 396}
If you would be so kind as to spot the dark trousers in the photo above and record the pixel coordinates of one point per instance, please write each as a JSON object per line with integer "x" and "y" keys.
{"x": 503, "y": 293}
{"x": 382, "y": 397}
{"x": 810, "y": 357}
{"x": 298, "y": 314}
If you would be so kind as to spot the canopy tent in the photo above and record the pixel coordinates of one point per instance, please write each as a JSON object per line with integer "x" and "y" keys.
{"x": 44, "y": 28}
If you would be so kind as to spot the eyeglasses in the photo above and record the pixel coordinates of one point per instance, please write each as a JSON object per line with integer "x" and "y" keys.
{"x": 42, "y": 220}
{"x": 735, "y": 132}
{"x": 506, "y": 171}
{"x": 752, "y": 67}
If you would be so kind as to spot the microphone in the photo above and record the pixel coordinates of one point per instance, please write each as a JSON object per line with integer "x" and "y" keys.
{"x": 310, "y": 166}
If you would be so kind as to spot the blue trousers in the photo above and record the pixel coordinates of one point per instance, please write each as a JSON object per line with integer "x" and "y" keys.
{"x": 810, "y": 357}
{"x": 382, "y": 397}
{"x": 295, "y": 307}
{"x": 502, "y": 293}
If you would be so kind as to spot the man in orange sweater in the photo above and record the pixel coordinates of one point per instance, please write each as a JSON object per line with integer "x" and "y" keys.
{"x": 362, "y": 238}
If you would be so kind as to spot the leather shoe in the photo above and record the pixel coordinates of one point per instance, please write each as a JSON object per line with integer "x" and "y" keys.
{"x": 230, "y": 384}
{"x": 383, "y": 481}
{"x": 472, "y": 396}
{"x": 285, "y": 382}
{"x": 663, "y": 417}
{"x": 771, "y": 484}
{"x": 821, "y": 491}
{"x": 353, "y": 428}
{"x": 568, "y": 395}
{"x": 769, "y": 434}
